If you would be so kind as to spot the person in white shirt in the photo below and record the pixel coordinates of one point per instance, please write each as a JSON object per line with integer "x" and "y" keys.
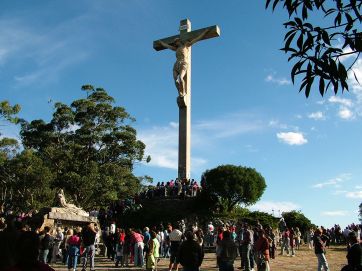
{"x": 175, "y": 237}
{"x": 210, "y": 234}
{"x": 58, "y": 239}
{"x": 113, "y": 228}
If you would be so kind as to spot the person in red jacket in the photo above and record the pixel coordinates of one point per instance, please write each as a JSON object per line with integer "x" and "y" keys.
{"x": 73, "y": 250}
{"x": 137, "y": 240}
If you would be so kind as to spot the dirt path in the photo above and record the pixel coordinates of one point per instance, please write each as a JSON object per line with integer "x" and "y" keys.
{"x": 304, "y": 260}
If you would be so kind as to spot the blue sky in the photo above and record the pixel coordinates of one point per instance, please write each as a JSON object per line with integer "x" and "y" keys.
{"x": 245, "y": 111}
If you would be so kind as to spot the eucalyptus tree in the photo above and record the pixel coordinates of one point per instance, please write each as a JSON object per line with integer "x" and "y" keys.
{"x": 8, "y": 148}
{"x": 320, "y": 36}
{"x": 90, "y": 147}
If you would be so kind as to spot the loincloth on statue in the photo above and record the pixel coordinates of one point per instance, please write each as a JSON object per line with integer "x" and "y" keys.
{"x": 180, "y": 66}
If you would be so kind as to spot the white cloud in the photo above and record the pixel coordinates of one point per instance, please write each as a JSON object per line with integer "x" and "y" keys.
{"x": 43, "y": 74}
{"x": 229, "y": 125}
{"x": 47, "y": 52}
{"x": 292, "y": 138}
{"x": 251, "y": 148}
{"x": 357, "y": 70}
{"x": 345, "y": 113}
{"x": 3, "y": 54}
{"x": 354, "y": 195}
{"x": 162, "y": 141}
{"x": 335, "y": 213}
{"x": 276, "y": 124}
{"x": 346, "y": 52}
{"x": 161, "y": 144}
{"x": 350, "y": 108}
{"x": 346, "y": 107}
{"x": 356, "y": 85}
{"x": 317, "y": 115}
{"x": 279, "y": 81}
{"x": 274, "y": 207}
{"x": 174, "y": 124}
{"x": 321, "y": 102}
{"x": 340, "y": 192}
{"x": 342, "y": 101}
{"x": 334, "y": 181}
{"x": 198, "y": 162}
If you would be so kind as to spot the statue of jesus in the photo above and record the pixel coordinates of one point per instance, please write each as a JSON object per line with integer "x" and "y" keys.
{"x": 180, "y": 67}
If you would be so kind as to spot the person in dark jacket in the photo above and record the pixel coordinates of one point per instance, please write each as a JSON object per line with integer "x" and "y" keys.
{"x": 89, "y": 239}
{"x": 354, "y": 255}
{"x": 190, "y": 253}
{"x": 27, "y": 254}
{"x": 228, "y": 252}
{"x": 45, "y": 245}
{"x": 320, "y": 249}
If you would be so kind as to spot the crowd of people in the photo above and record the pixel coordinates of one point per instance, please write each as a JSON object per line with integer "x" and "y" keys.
{"x": 173, "y": 188}
{"x": 23, "y": 248}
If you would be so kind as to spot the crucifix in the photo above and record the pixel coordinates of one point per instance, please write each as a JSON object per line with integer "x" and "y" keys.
{"x": 181, "y": 44}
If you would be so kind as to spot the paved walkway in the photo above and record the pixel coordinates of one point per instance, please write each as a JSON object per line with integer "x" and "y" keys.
{"x": 304, "y": 260}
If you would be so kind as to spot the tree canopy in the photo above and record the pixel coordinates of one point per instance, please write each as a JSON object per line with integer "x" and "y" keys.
{"x": 8, "y": 111}
{"x": 88, "y": 149}
{"x": 318, "y": 50}
{"x": 8, "y": 145}
{"x": 230, "y": 185}
{"x": 297, "y": 219}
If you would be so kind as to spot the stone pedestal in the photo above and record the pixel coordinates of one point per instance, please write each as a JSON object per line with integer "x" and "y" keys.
{"x": 58, "y": 216}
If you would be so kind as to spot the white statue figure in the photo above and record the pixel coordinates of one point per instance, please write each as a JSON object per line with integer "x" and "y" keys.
{"x": 71, "y": 207}
{"x": 180, "y": 67}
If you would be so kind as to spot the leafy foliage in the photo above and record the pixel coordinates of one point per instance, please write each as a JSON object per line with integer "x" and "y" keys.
{"x": 8, "y": 146}
{"x": 297, "y": 219}
{"x": 318, "y": 50}
{"x": 9, "y": 112}
{"x": 90, "y": 147}
{"x": 229, "y": 185}
{"x": 360, "y": 212}
{"x": 26, "y": 182}
{"x": 239, "y": 214}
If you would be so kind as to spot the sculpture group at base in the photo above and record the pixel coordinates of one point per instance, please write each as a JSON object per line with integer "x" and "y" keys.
{"x": 68, "y": 207}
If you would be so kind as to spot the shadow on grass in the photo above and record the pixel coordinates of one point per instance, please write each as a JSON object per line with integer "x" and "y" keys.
{"x": 338, "y": 248}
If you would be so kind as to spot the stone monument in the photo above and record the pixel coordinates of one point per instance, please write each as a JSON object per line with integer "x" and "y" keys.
{"x": 181, "y": 44}
{"x": 62, "y": 213}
